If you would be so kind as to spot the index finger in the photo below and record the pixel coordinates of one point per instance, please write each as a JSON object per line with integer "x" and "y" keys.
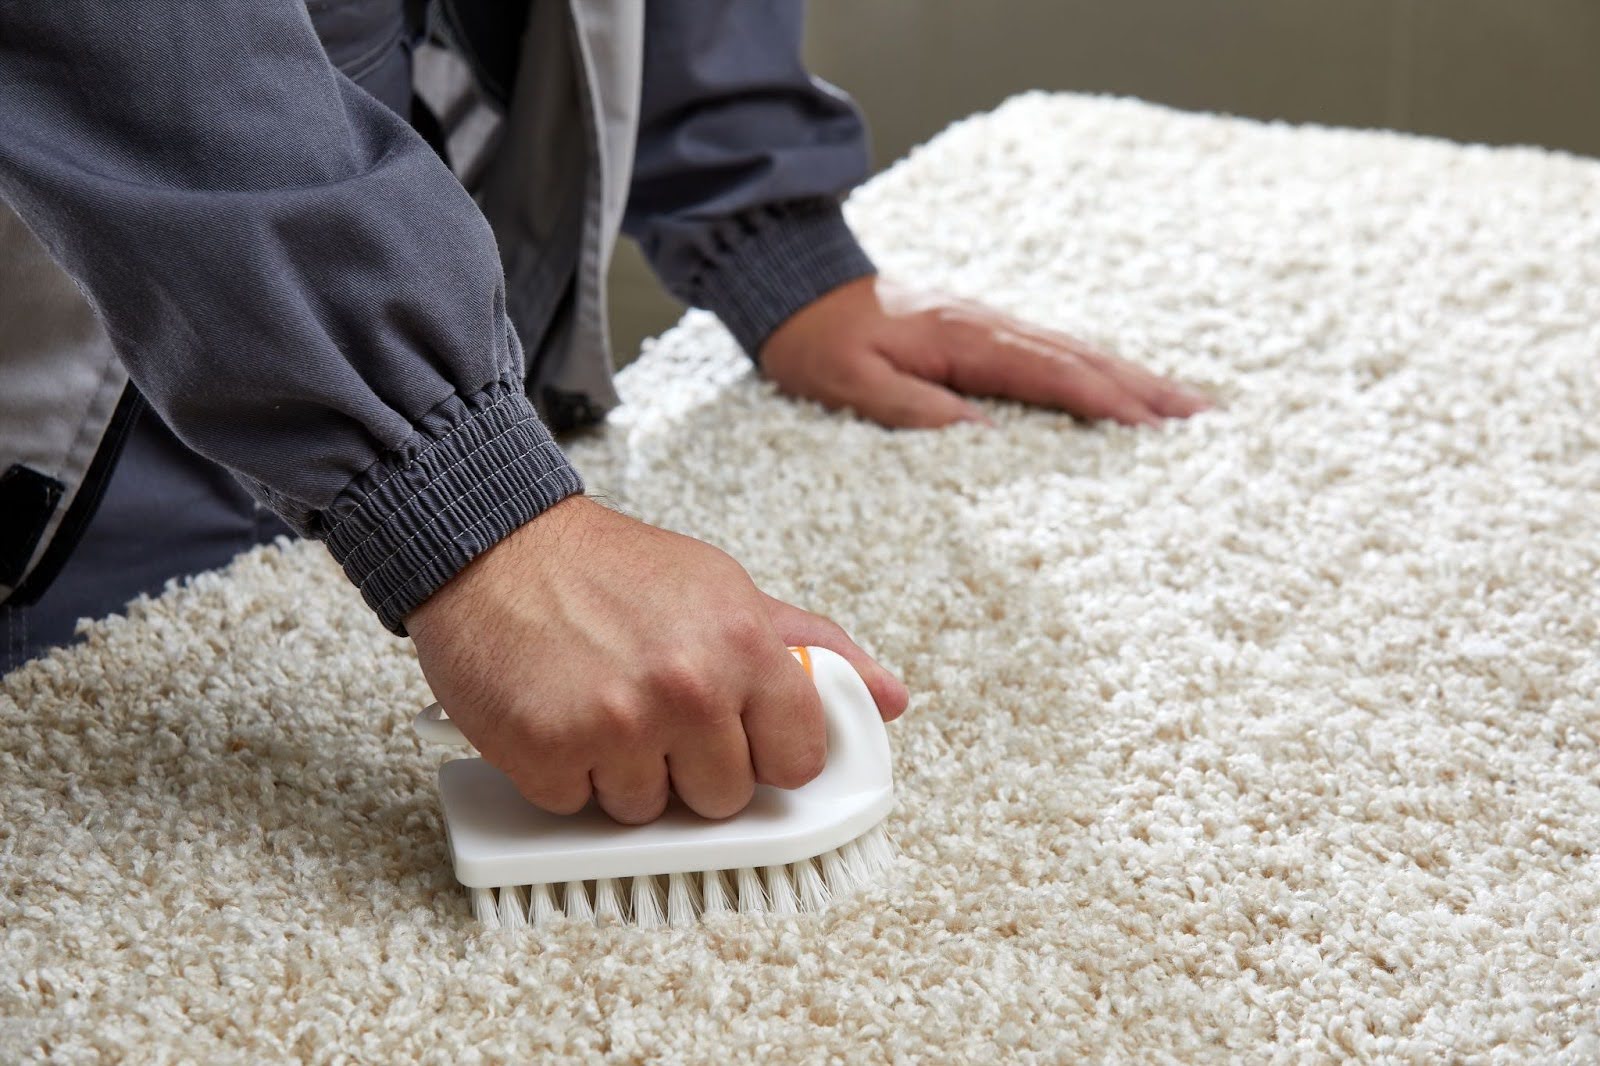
{"x": 784, "y": 726}
{"x": 1161, "y": 394}
{"x": 1021, "y": 366}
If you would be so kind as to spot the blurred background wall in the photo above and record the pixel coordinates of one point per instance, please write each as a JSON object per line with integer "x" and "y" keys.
{"x": 1495, "y": 71}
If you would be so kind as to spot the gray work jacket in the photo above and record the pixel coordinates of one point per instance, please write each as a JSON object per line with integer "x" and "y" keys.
{"x": 219, "y": 202}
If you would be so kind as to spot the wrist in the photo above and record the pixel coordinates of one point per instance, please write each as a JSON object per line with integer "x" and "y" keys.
{"x": 779, "y": 260}
{"x": 516, "y": 562}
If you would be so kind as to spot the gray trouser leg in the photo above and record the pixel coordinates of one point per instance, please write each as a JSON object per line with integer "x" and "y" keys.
{"x": 166, "y": 513}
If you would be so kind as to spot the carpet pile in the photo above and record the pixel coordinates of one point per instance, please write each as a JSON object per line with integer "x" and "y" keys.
{"x": 1275, "y": 734}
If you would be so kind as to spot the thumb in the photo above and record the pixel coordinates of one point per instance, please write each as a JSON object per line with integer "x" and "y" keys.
{"x": 891, "y": 397}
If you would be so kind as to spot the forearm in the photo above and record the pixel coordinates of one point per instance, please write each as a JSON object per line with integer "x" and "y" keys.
{"x": 291, "y": 276}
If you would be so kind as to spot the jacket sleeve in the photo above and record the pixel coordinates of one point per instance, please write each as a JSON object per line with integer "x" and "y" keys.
{"x": 292, "y": 278}
{"x": 741, "y": 162}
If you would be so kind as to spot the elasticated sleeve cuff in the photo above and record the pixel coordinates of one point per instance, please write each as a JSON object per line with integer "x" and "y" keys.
{"x": 477, "y": 468}
{"x": 773, "y": 261}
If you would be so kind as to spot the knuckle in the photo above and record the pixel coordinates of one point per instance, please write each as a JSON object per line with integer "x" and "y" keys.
{"x": 680, "y": 682}
{"x": 1066, "y": 367}
{"x": 701, "y": 717}
{"x": 720, "y": 562}
{"x": 540, "y": 736}
{"x": 744, "y": 632}
{"x": 526, "y": 750}
{"x": 569, "y": 800}
{"x": 540, "y": 786}
{"x": 635, "y": 810}
{"x": 730, "y": 801}
{"x": 953, "y": 314}
{"x": 620, "y": 723}
{"x": 833, "y": 630}
{"x": 802, "y": 764}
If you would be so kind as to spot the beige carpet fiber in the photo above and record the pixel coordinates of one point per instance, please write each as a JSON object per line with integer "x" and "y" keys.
{"x": 1274, "y": 735}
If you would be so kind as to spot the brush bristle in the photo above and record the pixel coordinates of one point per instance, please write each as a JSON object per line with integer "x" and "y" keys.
{"x": 714, "y": 893}
{"x": 575, "y": 901}
{"x": 542, "y": 910}
{"x": 855, "y": 862}
{"x": 809, "y": 886}
{"x": 647, "y": 904}
{"x": 837, "y": 874}
{"x": 513, "y": 908}
{"x": 805, "y": 886}
{"x": 751, "y": 898}
{"x": 485, "y": 909}
{"x": 780, "y": 891}
{"x": 876, "y": 849}
{"x": 608, "y": 901}
{"x": 680, "y": 901}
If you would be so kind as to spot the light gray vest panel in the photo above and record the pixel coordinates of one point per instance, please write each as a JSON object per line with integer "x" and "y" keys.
{"x": 558, "y": 183}
{"x": 61, "y": 381}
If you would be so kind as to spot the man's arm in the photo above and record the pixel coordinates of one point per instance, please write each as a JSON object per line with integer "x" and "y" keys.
{"x": 306, "y": 294}
{"x": 292, "y": 278}
{"x": 741, "y": 162}
{"x": 742, "y": 157}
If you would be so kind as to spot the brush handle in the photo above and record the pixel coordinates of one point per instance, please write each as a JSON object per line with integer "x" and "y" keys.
{"x": 435, "y": 727}
{"x": 498, "y": 838}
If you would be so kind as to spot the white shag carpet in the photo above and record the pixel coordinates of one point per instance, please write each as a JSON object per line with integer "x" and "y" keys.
{"x": 1274, "y": 735}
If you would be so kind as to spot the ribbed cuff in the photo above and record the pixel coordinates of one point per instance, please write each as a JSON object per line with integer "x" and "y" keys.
{"x": 479, "y": 468}
{"x": 781, "y": 258}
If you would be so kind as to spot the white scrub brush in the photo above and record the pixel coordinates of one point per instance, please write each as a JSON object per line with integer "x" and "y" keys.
{"x": 787, "y": 852}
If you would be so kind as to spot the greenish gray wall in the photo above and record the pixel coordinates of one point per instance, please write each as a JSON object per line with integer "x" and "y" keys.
{"x": 1494, "y": 71}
